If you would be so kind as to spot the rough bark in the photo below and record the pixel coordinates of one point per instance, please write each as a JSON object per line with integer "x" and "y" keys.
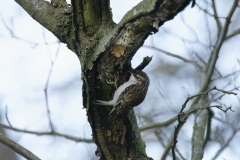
{"x": 105, "y": 50}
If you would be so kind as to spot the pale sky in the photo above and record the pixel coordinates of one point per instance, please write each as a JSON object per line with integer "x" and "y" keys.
{"x": 24, "y": 68}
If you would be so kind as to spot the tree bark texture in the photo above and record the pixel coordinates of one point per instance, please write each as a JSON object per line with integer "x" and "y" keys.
{"x": 105, "y": 50}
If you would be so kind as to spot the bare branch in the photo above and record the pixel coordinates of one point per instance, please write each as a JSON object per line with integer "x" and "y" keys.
{"x": 182, "y": 117}
{"x": 17, "y": 148}
{"x": 228, "y": 75}
{"x": 173, "y": 119}
{"x": 167, "y": 148}
{"x": 234, "y": 33}
{"x": 213, "y": 58}
{"x": 6, "y": 116}
{"x": 180, "y": 154}
{"x": 216, "y": 17}
{"x": 209, "y": 70}
{"x": 156, "y": 125}
{"x": 144, "y": 63}
{"x": 48, "y": 133}
{"x": 230, "y": 138}
{"x": 55, "y": 16}
{"x": 13, "y": 35}
{"x": 176, "y": 56}
{"x": 46, "y": 86}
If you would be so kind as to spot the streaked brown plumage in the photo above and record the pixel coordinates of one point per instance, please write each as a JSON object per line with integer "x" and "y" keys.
{"x": 129, "y": 94}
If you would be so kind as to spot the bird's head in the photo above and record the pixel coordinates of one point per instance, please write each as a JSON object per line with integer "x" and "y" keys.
{"x": 139, "y": 76}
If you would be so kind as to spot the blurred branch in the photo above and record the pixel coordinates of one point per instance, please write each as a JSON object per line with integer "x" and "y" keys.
{"x": 52, "y": 132}
{"x": 175, "y": 35}
{"x": 160, "y": 139}
{"x": 173, "y": 119}
{"x": 213, "y": 58}
{"x": 209, "y": 70}
{"x": 180, "y": 154}
{"x": 6, "y": 26}
{"x": 190, "y": 29}
{"x": 209, "y": 33}
{"x": 230, "y": 138}
{"x": 228, "y": 75}
{"x": 50, "y": 16}
{"x": 6, "y": 116}
{"x": 200, "y": 58}
{"x": 17, "y": 148}
{"x": 204, "y": 93}
{"x": 156, "y": 125}
{"x": 214, "y": 55}
{"x": 219, "y": 26}
{"x": 158, "y": 134}
{"x": 234, "y": 33}
{"x": 207, "y": 12}
{"x": 47, "y": 84}
{"x": 225, "y": 145}
{"x": 182, "y": 117}
{"x": 176, "y": 56}
{"x": 13, "y": 35}
{"x": 48, "y": 133}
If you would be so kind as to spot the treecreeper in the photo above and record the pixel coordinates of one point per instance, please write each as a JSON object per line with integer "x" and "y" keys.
{"x": 129, "y": 94}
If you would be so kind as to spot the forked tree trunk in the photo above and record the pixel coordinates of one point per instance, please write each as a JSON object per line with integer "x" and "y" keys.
{"x": 105, "y": 50}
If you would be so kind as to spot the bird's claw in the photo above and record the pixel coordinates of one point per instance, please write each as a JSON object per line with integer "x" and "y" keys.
{"x": 115, "y": 82}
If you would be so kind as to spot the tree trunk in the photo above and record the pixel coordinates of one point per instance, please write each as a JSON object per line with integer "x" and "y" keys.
{"x": 105, "y": 50}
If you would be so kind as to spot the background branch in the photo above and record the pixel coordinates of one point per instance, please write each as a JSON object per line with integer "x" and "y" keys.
{"x": 77, "y": 139}
{"x": 182, "y": 118}
{"x": 17, "y": 148}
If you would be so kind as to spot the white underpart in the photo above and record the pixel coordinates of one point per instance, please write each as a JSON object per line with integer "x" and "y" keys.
{"x": 120, "y": 89}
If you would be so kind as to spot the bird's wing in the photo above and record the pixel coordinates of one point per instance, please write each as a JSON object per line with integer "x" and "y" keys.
{"x": 125, "y": 95}
{"x": 123, "y": 99}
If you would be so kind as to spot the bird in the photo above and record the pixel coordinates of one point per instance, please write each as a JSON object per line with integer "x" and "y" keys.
{"x": 129, "y": 94}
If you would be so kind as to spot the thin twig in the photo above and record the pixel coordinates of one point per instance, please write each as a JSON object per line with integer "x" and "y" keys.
{"x": 219, "y": 25}
{"x": 234, "y": 33}
{"x": 211, "y": 64}
{"x": 226, "y": 144}
{"x": 176, "y": 56}
{"x": 207, "y": 12}
{"x": 180, "y": 154}
{"x": 6, "y": 116}
{"x": 77, "y": 139}
{"x": 182, "y": 117}
{"x": 228, "y": 75}
{"x": 13, "y": 35}
{"x": 145, "y": 62}
{"x": 47, "y": 84}
{"x": 156, "y": 125}
{"x": 173, "y": 119}
{"x": 204, "y": 93}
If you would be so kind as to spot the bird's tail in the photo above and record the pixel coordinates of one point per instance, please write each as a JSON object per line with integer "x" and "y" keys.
{"x": 103, "y": 103}
{"x": 112, "y": 111}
